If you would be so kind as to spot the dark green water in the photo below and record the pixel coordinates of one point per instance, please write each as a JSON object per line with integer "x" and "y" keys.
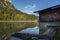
{"x": 9, "y": 28}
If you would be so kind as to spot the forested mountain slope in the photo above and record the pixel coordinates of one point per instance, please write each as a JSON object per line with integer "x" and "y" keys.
{"x": 9, "y": 12}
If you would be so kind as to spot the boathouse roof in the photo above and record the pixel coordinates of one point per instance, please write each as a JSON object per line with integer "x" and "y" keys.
{"x": 57, "y": 7}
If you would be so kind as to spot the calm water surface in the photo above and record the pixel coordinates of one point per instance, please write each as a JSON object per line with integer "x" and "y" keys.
{"x": 34, "y": 30}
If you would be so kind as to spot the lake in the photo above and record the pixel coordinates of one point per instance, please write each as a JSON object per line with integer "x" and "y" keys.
{"x": 34, "y": 30}
{"x": 9, "y": 28}
{"x": 49, "y": 32}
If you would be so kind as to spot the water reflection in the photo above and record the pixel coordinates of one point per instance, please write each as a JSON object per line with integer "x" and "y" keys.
{"x": 13, "y": 38}
{"x": 34, "y": 30}
{"x": 9, "y": 28}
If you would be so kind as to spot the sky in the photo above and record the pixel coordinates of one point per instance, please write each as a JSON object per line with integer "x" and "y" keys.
{"x": 29, "y": 6}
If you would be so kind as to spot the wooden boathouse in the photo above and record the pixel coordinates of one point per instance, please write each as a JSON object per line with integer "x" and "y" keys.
{"x": 50, "y": 18}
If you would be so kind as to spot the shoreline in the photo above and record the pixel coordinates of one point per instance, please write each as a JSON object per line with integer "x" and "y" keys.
{"x": 18, "y": 21}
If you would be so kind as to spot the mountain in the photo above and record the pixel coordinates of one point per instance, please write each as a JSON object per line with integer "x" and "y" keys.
{"x": 9, "y": 12}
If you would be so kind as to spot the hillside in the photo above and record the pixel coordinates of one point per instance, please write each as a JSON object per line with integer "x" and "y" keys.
{"x": 8, "y": 12}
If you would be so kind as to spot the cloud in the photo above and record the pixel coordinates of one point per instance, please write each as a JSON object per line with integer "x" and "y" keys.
{"x": 29, "y": 7}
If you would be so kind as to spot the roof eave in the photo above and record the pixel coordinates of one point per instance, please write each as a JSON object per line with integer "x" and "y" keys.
{"x": 50, "y": 8}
